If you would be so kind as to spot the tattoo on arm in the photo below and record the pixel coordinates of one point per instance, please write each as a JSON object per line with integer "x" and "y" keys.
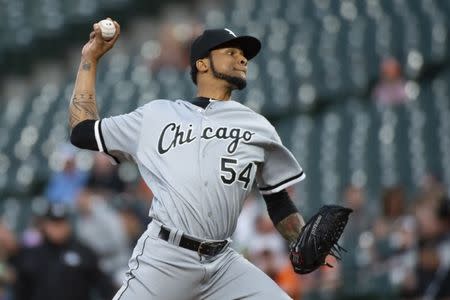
{"x": 291, "y": 226}
{"x": 82, "y": 107}
{"x": 86, "y": 66}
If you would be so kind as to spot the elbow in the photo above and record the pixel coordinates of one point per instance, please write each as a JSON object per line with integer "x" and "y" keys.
{"x": 83, "y": 135}
{"x": 75, "y": 138}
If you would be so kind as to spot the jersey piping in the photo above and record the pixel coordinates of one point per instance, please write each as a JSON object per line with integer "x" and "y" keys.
{"x": 282, "y": 185}
{"x": 101, "y": 142}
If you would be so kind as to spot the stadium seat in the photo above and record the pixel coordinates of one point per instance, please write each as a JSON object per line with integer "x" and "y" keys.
{"x": 314, "y": 53}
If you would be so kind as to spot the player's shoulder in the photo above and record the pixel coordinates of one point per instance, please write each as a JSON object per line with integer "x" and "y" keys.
{"x": 157, "y": 104}
{"x": 239, "y": 106}
{"x": 254, "y": 116}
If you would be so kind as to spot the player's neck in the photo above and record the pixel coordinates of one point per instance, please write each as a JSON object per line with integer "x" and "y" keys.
{"x": 218, "y": 93}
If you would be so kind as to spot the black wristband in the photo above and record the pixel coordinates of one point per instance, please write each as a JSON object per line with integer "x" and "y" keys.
{"x": 279, "y": 206}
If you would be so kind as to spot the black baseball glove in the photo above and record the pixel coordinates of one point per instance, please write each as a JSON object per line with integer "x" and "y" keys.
{"x": 319, "y": 238}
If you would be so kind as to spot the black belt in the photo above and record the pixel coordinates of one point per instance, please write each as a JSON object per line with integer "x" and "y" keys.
{"x": 210, "y": 248}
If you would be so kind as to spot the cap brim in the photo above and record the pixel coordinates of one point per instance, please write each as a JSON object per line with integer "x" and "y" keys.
{"x": 249, "y": 45}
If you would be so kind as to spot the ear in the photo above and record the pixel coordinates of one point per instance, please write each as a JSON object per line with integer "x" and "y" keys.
{"x": 202, "y": 65}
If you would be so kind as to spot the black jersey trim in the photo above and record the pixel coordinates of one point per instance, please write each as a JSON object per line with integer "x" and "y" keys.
{"x": 202, "y": 102}
{"x": 102, "y": 141}
{"x": 272, "y": 187}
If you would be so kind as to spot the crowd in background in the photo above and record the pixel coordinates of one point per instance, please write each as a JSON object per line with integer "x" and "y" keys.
{"x": 400, "y": 250}
{"x": 94, "y": 208}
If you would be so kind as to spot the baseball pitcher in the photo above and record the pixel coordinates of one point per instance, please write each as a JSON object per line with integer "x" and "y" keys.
{"x": 201, "y": 157}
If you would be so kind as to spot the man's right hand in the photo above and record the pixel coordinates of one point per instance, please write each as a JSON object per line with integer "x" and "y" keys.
{"x": 97, "y": 46}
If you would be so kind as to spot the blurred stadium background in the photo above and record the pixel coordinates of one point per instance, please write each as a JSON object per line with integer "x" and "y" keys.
{"x": 359, "y": 91}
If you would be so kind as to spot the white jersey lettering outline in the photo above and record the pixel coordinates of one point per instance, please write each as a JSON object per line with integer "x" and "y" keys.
{"x": 173, "y": 135}
{"x": 178, "y": 137}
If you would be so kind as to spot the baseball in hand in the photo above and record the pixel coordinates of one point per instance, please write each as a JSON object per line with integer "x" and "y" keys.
{"x": 108, "y": 29}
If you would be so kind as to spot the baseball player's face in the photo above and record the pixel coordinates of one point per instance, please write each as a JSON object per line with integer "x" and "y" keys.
{"x": 229, "y": 64}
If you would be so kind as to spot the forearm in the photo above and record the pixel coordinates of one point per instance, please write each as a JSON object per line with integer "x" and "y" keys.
{"x": 284, "y": 215}
{"x": 291, "y": 226}
{"x": 83, "y": 105}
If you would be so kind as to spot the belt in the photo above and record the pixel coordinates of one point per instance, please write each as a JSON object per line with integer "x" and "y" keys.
{"x": 210, "y": 248}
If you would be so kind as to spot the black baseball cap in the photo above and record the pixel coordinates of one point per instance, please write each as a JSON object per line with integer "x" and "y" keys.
{"x": 57, "y": 212}
{"x": 212, "y": 39}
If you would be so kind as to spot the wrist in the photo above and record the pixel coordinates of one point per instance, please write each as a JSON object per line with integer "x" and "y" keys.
{"x": 87, "y": 64}
{"x": 88, "y": 60}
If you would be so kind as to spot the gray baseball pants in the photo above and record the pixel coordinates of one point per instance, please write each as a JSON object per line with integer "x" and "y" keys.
{"x": 161, "y": 270}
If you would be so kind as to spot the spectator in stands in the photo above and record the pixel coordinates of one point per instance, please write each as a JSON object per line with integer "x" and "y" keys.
{"x": 392, "y": 243}
{"x": 32, "y": 235}
{"x": 432, "y": 274}
{"x": 432, "y": 189}
{"x": 267, "y": 250}
{"x": 104, "y": 177}
{"x": 429, "y": 226}
{"x": 64, "y": 185}
{"x": 245, "y": 228}
{"x": 265, "y": 237}
{"x": 279, "y": 269}
{"x": 443, "y": 214}
{"x": 431, "y": 277}
{"x": 8, "y": 243}
{"x": 390, "y": 89}
{"x": 132, "y": 225}
{"x": 61, "y": 267}
{"x": 133, "y": 221}
{"x": 440, "y": 287}
{"x": 174, "y": 39}
{"x": 100, "y": 227}
{"x": 360, "y": 222}
{"x": 358, "y": 225}
{"x": 394, "y": 229}
{"x": 8, "y": 247}
{"x": 142, "y": 193}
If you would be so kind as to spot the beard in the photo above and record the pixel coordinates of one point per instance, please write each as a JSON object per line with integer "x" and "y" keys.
{"x": 237, "y": 82}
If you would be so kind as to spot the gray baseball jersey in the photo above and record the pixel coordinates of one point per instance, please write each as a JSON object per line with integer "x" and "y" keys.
{"x": 200, "y": 162}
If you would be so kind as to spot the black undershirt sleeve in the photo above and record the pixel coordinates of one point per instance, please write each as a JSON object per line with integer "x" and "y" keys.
{"x": 279, "y": 206}
{"x": 83, "y": 135}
